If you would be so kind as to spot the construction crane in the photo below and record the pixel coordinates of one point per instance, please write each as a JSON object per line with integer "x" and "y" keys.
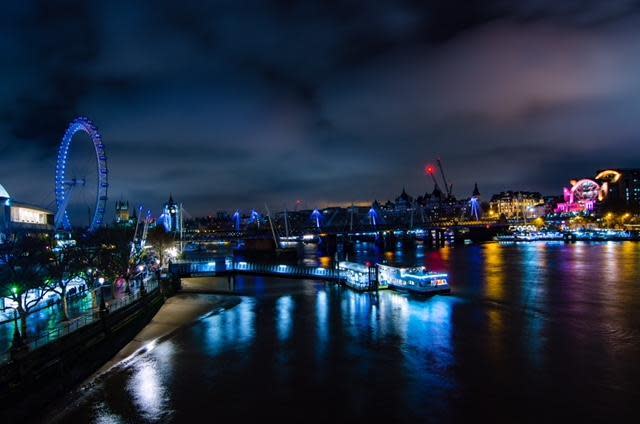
{"x": 447, "y": 187}
{"x": 431, "y": 172}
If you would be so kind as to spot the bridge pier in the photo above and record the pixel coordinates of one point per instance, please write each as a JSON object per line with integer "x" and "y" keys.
{"x": 230, "y": 281}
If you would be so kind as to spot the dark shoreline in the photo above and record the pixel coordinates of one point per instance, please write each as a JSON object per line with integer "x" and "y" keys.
{"x": 177, "y": 313}
{"x": 34, "y": 380}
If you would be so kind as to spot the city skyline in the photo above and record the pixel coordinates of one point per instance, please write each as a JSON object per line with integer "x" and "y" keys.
{"x": 229, "y": 107}
{"x": 319, "y": 210}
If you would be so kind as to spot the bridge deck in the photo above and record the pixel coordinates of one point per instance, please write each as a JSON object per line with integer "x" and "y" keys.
{"x": 358, "y": 279}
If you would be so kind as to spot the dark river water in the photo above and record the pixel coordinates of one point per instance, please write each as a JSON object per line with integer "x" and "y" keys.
{"x": 530, "y": 333}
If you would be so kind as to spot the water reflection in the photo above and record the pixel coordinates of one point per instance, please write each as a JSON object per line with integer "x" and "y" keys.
{"x": 527, "y": 327}
{"x": 322, "y": 325}
{"x": 230, "y": 329}
{"x": 148, "y": 392}
{"x": 494, "y": 271}
{"x": 284, "y": 307}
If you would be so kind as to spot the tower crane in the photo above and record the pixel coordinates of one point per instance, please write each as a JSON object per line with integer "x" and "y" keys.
{"x": 431, "y": 171}
{"x": 447, "y": 187}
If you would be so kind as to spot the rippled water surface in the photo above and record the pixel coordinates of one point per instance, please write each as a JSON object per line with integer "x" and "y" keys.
{"x": 530, "y": 332}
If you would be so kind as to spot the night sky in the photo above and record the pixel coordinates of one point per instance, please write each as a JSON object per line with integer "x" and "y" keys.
{"x": 231, "y": 104}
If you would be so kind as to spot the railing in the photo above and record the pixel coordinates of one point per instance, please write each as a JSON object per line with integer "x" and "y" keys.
{"x": 288, "y": 270}
{"x": 65, "y": 329}
{"x": 61, "y": 331}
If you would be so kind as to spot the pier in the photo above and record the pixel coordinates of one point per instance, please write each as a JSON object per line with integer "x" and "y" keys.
{"x": 356, "y": 276}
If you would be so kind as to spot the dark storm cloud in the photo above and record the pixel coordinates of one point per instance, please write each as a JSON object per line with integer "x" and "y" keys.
{"x": 232, "y": 104}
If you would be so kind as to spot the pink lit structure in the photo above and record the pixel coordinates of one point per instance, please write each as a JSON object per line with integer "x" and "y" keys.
{"x": 582, "y": 196}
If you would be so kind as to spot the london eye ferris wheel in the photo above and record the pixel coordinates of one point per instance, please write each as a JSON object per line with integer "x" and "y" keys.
{"x": 81, "y": 177}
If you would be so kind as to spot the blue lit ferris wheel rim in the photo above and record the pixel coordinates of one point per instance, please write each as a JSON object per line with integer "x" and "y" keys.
{"x": 83, "y": 124}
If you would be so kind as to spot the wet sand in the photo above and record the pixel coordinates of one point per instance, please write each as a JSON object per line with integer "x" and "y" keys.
{"x": 177, "y": 311}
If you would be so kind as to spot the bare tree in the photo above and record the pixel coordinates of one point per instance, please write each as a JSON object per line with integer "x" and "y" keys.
{"x": 98, "y": 262}
{"x": 67, "y": 264}
{"x": 161, "y": 241}
{"x": 115, "y": 258}
{"x": 23, "y": 273}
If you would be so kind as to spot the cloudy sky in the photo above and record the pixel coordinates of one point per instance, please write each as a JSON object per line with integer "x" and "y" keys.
{"x": 230, "y": 104}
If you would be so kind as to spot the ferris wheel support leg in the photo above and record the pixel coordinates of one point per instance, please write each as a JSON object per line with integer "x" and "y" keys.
{"x": 59, "y": 219}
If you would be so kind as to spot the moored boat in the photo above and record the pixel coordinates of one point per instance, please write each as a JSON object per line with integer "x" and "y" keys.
{"x": 415, "y": 280}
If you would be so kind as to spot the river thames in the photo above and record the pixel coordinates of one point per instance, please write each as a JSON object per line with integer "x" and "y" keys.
{"x": 530, "y": 332}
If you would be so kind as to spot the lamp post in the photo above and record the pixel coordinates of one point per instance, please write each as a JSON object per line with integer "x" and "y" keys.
{"x": 143, "y": 290}
{"x": 103, "y": 305}
{"x": 17, "y": 337}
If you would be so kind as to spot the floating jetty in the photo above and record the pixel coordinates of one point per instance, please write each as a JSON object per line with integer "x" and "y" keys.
{"x": 356, "y": 276}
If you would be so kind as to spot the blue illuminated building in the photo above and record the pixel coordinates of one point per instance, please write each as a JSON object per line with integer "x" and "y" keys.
{"x": 171, "y": 217}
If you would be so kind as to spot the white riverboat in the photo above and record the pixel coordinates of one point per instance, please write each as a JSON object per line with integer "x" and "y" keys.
{"x": 416, "y": 280}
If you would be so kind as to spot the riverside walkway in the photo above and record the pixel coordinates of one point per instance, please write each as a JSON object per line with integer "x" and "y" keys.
{"x": 44, "y": 326}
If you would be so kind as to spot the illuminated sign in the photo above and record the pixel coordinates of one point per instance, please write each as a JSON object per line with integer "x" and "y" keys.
{"x": 609, "y": 175}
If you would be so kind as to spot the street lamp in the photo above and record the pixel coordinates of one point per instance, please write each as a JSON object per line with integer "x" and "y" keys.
{"x": 143, "y": 290}
{"x": 103, "y": 305}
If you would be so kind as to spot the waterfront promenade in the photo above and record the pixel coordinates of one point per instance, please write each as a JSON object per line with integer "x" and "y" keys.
{"x": 46, "y": 325}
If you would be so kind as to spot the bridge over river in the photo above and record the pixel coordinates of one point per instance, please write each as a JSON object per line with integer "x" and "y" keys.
{"x": 356, "y": 276}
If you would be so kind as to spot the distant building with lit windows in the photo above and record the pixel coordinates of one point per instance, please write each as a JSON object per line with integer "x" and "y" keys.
{"x": 123, "y": 213}
{"x": 623, "y": 189}
{"x": 404, "y": 202}
{"x": 516, "y": 204}
{"x": 17, "y": 218}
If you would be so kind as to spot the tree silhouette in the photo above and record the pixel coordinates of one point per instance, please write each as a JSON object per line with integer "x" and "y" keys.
{"x": 23, "y": 274}
{"x": 65, "y": 265}
{"x": 161, "y": 241}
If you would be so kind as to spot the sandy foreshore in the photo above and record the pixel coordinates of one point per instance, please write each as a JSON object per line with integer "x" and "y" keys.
{"x": 177, "y": 311}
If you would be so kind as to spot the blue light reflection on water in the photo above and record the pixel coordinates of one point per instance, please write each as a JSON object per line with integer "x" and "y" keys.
{"x": 284, "y": 306}
{"x": 232, "y": 329}
{"x": 543, "y": 324}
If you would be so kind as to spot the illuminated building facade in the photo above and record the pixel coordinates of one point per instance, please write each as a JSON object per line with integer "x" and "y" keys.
{"x": 123, "y": 214}
{"x": 515, "y": 204}
{"x": 623, "y": 189}
{"x": 18, "y": 218}
{"x": 171, "y": 217}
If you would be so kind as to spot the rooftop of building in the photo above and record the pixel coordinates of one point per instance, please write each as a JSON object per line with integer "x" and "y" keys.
{"x": 3, "y": 193}
{"x": 510, "y": 194}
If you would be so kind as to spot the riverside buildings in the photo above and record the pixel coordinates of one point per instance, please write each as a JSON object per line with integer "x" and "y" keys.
{"x": 516, "y": 204}
{"x": 623, "y": 189}
{"x": 17, "y": 218}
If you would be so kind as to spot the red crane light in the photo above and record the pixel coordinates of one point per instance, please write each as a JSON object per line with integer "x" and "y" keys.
{"x": 429, "y": 169}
